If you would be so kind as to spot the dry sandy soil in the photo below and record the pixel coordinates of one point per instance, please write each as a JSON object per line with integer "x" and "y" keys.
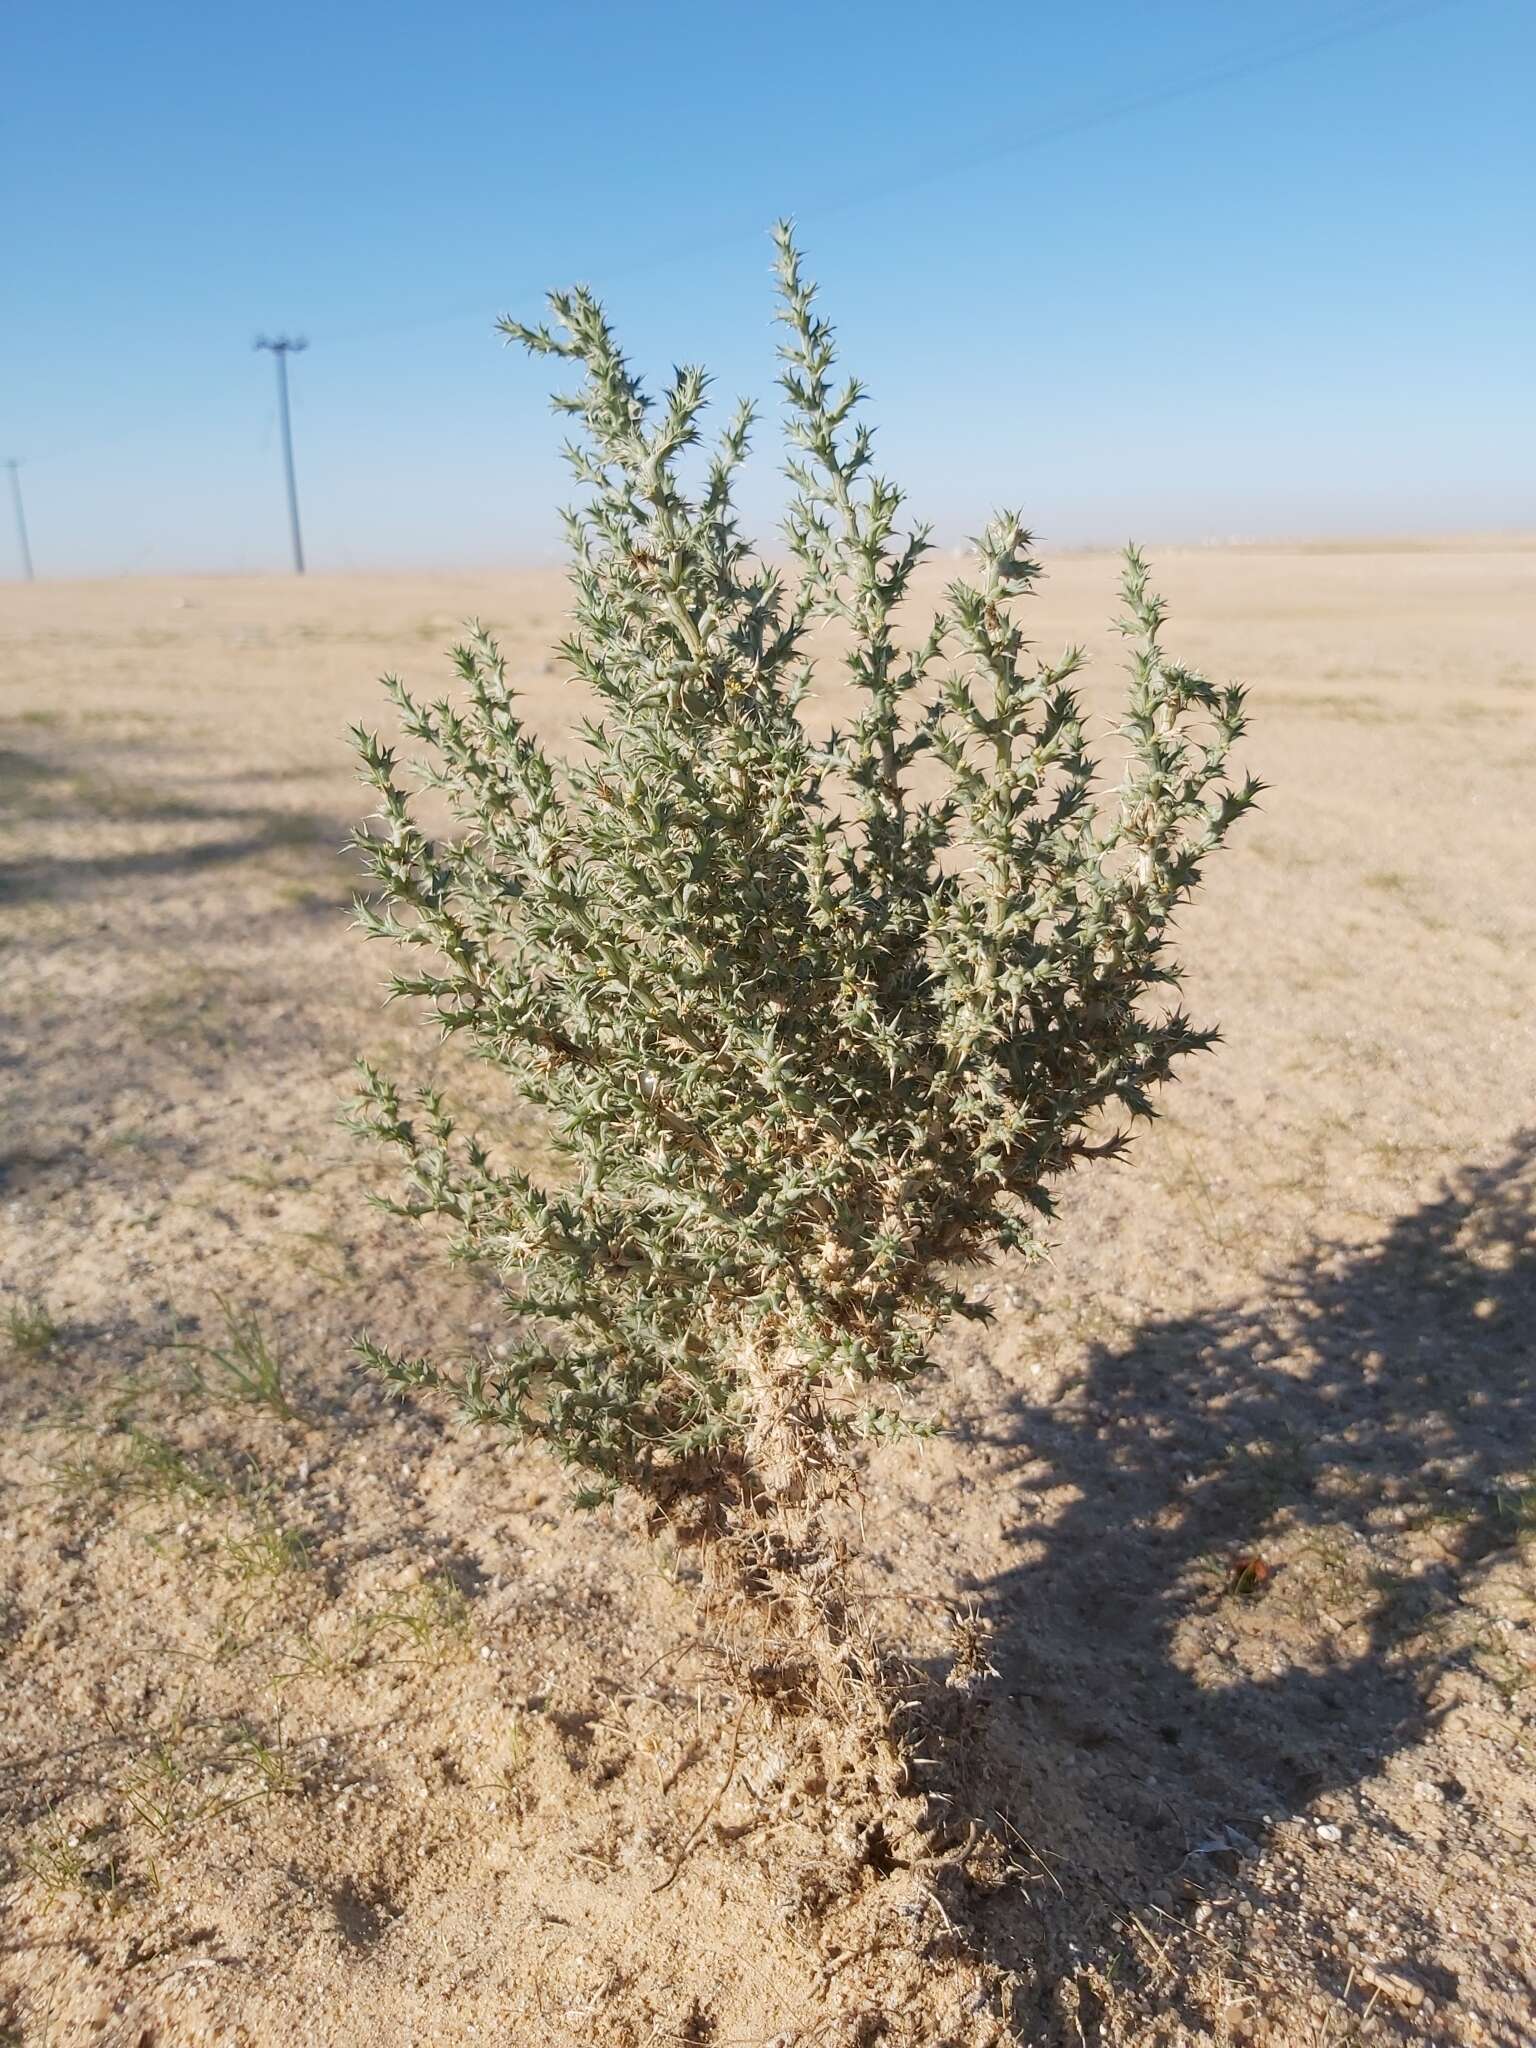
{"x": 325, "y": 1722}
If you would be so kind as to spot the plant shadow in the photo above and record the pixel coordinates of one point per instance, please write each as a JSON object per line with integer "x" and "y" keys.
{"x": 34, "y": 788}
{"x": 1277, "y": 1521}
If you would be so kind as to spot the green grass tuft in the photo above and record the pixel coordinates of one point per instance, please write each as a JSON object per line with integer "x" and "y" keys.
{"x": 30, "y": 1329}
{"x": 243, "y": 1368}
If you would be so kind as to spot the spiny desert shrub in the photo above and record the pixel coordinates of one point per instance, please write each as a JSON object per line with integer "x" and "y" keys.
{"x": 816, "y": 1024}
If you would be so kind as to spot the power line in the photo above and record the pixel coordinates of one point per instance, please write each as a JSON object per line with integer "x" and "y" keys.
{"x": 1269, "y": 54}
{"x": 282, "y": 347}
{"x": 23, "y": 545}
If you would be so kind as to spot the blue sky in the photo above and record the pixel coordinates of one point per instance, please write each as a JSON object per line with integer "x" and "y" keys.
{"x": 1174, "y": 268}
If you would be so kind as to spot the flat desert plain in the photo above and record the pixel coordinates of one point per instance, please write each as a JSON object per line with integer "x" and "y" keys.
{"x": 325, "y": 1721}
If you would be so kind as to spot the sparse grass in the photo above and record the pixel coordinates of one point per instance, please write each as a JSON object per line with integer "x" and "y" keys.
{"x": 266, "y": 1177}
{"x": 1508, "y": 1513}
{"x": 1507, "y": 1671}
{"x": 30, "y": 1329}
{"x": 1399, "y": 1157}
{"x": 509, "y": 1772}
{"x": 263, "y": 1179}
{"x": 1088, "y": 1318}
{"x": 269, "y": 1553}
{"x": 134, "y": 1138}
{"x": 1204, "y": 1208}
{"x": 1331, "y": 1577}
{"x": 140, "y": 1464}
{"x": 1365, "y": 710}
{"x": 312, "y": 1656}
{"x": 325, "y": 1252}
{"x": 1468, "y": 712}
{"x": 164, "y": 1471}
{"x": 167, "y": 1788}
{"x": 130, "y": 715}
{"x": 194, "y": 1002}
{"x": 1283, "y": 853}
{"x": 1514, "y": 1514}
{"x": 311, "y": 896}
{"x": 433, "y": 1620}
{"x": 267, "y": 1760}
{"x": 243, "y": 1368}
{"x": 157, "y": 1794}
{"x": 515, "y": 1750}
{"x": 59, "y": 1857}
{"x": 55, "y": 1857}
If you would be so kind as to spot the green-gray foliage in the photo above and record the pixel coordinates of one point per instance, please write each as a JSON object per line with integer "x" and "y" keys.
{"x": 244, "y": 1367}
{"x": 30, "y": 1329}
{"x": 810, "y": 1038}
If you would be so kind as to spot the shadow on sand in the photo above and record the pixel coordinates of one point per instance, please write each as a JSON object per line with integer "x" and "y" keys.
{"x": 1142, "y": 1703}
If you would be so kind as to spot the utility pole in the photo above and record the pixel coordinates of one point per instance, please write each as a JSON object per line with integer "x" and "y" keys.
{"x": 22, "y": 542}
{"x": 282, "y": 346}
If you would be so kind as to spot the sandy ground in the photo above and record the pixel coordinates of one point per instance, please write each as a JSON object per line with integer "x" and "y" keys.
{"x": 327, "y": 1723}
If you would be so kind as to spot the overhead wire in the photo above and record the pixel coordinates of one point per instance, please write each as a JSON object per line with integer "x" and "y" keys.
{"x": 1269, "y": 53}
